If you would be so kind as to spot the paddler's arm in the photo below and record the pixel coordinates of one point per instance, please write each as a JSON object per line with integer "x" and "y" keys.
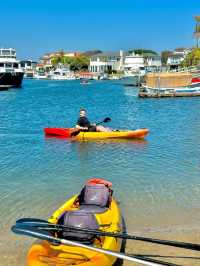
{"x": 81, "y": 128}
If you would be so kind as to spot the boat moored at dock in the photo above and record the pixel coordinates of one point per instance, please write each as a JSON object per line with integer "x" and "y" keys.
{"x": 169, "y": 85}
{"x": 11, "y": 74}
{"x": 146, "y": 92}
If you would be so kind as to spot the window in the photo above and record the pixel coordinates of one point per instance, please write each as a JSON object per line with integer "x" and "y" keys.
{"x": 5, "y": 52}
{"x": 8, "y": 65}
{"x": 15, "y": 65}
{"x": 1, "y": 64}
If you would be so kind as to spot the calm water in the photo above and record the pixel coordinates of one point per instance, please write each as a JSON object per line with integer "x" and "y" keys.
{"x": 157, "y": 181}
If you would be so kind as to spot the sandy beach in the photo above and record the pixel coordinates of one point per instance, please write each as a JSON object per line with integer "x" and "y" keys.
{"x": 178, "y": 256}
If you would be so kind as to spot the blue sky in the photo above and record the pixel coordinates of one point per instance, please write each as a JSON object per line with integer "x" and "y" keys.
{"x": 39, "y": 26}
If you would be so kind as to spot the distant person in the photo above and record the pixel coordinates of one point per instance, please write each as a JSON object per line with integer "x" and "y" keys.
{"x": 84, "y": 124}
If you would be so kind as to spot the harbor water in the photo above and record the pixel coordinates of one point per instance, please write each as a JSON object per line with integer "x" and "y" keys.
{"x": 156, "y": 181}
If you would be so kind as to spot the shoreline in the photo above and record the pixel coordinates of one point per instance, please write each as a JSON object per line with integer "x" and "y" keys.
{"x": 16, "y": 255}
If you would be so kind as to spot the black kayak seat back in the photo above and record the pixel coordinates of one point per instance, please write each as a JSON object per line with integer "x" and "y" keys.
{"x": 81, "y": 220}
{"x": 98, "y": 195}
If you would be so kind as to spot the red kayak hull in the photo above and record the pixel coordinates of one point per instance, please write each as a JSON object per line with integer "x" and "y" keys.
{"x": 58, "y": 132}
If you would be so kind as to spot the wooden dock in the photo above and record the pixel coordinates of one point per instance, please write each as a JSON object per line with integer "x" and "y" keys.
{"x": 171, "y": 94}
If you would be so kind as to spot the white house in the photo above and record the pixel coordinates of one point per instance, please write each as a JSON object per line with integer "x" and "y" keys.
{"x": 176, "y": 57}
{"x": 106, "y": 62}
{"x": 134, "y": 63}
{"x": 28, "y": 64}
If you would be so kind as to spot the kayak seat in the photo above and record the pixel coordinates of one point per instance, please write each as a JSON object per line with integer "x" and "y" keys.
{"x": 95, "y": 198}
{"x": 80, "y": 220}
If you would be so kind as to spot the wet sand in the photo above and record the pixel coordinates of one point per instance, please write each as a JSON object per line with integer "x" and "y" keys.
{"x": 178, "y": 256}
{"x": 172, "y": 224}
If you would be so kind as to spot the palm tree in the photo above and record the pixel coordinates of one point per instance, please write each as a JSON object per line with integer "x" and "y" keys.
{"x": 197, "y": 29}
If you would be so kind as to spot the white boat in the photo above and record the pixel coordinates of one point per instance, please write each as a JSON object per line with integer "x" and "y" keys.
{"x": 150, "y": 92}
{"x": 40, "y": 75}
{"x": 29, "y": 74}
{"x": 61, "y": 73}
{"x": 130, "y": 72}
{"x": 11, "y": 74}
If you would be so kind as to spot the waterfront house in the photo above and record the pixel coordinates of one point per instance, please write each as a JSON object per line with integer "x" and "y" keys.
{"x": 106, "y": 62}
{"x": 139, "y": 63}
{"x": 153, "y": 62}
{"x": 176, "y": 57}
{"x": 29, "y": 68}
{"x": 28, "y": 64}
{"x": 133, "y": 63}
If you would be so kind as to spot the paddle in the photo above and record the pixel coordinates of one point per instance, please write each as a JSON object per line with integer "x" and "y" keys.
{"x": 77, "y": 131}
{"x": 106, "y": 120}
{"x": 49, "y": 226}
{"x": 41, "y": 234}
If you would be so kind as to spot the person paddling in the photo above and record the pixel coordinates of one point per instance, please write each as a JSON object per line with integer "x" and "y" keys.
{"x": 84, "y": 124}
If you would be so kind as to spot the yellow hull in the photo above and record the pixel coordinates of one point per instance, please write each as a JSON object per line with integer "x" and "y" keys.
{"x": 132, "y": 134}
{"x": 42, "y": 253}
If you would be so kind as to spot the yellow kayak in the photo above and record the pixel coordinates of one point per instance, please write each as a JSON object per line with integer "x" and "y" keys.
{"x": 129, "y": 134}
{"x": 95, "y": 207}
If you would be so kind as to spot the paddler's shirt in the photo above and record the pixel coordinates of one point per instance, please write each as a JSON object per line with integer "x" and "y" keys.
{"x": 83, "y": 122}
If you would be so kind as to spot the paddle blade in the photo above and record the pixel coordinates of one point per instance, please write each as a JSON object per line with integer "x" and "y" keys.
{"x": 32, "y": 222}
{"x": 107, "y": 119}
{"x": 34, "y": 232}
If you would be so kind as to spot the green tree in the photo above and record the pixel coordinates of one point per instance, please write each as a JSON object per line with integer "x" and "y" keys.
{"x": 164, "y": 56}
{"x": 56, "y": 60}
{"x": 192, "y": 59}
{"x": 77, "y": 63}
{"x": 143, "y": 51}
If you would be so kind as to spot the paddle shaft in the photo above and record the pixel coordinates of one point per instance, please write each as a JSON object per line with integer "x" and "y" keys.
{"x": 34, "y": 233}
{"x": 50, "y": 226}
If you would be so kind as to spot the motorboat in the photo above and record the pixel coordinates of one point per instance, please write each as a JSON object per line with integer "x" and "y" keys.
{"x": 11, "y": 74}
